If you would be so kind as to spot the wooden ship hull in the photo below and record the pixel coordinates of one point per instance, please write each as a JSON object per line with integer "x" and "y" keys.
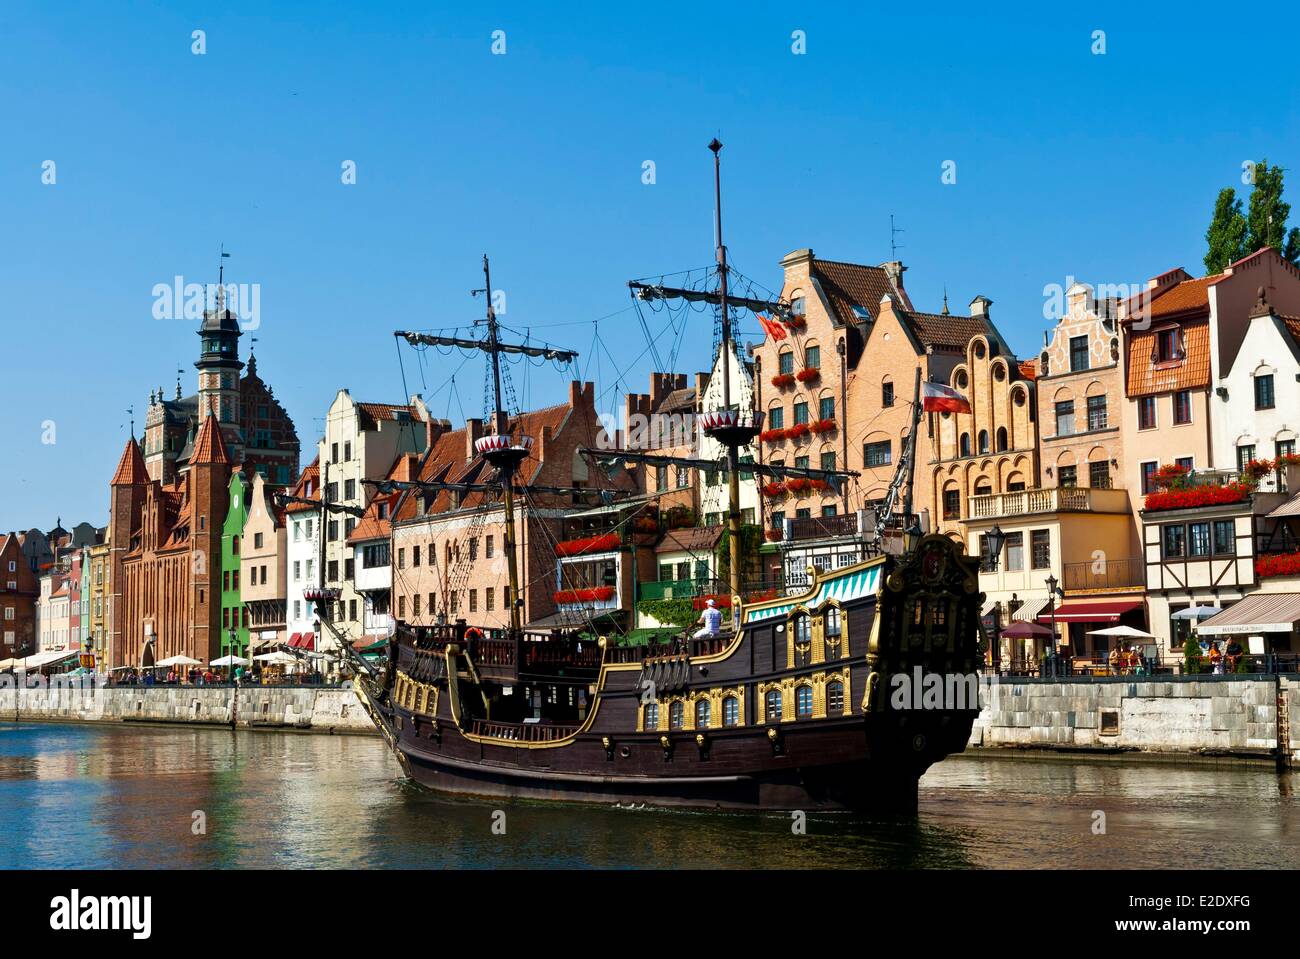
{"x": 800, "y": 705}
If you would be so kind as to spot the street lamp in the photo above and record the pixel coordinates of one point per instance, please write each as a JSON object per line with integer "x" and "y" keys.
{"x": 1052, "y": 583}
{"x": 996, "y": 540}
{"x": 912, "y": 535}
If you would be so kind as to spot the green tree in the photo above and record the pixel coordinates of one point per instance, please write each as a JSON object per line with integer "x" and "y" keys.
{"x": 1226, "y": 237}
{"x": 1266, "y": 219}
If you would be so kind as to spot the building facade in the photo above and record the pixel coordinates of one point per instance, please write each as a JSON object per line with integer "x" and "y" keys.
{"x": 19, "y": 592}
{"x": 234, "y": 615}
{"x": 303, "y": 555}
{"x": 263, "y": 559}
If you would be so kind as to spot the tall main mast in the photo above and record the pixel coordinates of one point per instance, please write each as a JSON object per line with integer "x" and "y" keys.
{"x": 733, "y": 475}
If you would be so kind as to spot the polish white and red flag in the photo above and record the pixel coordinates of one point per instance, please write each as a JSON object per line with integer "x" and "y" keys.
{"x": 937, "y": 398}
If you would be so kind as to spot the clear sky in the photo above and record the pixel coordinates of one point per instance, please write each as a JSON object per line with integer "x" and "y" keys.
{"x": 1068, "y": 163}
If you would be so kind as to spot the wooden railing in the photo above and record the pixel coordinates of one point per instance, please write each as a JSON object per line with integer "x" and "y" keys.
{"x": 1055, "y": 499}
{"x": 493, "y": 652}
{"x": 1105, "y": 574}
{"x": 564, "y": 653}
{"x": 819, "y": 527}
{"x": 523, "y": 732}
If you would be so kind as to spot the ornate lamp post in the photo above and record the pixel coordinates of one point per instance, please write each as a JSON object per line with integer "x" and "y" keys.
{"x": 1052, "y": 583}
{"x": 996, "y": 540}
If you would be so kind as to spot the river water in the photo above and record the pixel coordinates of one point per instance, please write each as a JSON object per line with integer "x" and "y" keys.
{"x": 148, "y": 797}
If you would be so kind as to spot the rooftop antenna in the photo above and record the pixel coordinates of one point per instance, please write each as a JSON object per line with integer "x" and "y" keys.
{"x": 945, "y": 300}
{"x": 179, "y": 372}
{"x": 894, "y": 245}
{"x": 130, "y": 410}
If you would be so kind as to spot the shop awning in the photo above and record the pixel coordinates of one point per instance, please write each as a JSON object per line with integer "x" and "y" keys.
{"x": 307, "y": 641}
{"x": 1260, "y": 613}
{"x": 1091, "y": 612}
{"x": 1030, "y": 609}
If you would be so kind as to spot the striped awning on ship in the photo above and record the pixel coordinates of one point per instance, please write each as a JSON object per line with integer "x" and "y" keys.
{"x": 841, "y": 588}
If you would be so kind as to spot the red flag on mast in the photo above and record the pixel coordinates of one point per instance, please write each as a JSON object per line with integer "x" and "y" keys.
{"x": 773, "y": 329}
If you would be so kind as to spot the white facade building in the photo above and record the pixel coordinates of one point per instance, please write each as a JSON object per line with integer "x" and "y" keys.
{"x": 713, "y": 496}
{"x": 1256, "y": 409}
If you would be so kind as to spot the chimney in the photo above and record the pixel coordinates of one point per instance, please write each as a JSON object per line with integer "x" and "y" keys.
{"x": 701, "y": 387}
{"x": 894, "y": 269}
{"x": 581, "y": 394}
{"x": 980, "y": 306}
{"x": 473, "y": 431}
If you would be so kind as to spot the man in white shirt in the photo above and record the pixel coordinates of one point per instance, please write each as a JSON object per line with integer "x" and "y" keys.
{"x": 711, "y": 617}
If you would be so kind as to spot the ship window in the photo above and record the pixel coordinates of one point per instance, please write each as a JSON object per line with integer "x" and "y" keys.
{"x": 676, "y": 716}
{"x": 731, "y": 711}
{"x": 835, "y": 698}
{"x": 651, "y": 716}
{"x": 803, "y": 700}
{"x": 774, "y": 705}
{"x": 702, "y": 709}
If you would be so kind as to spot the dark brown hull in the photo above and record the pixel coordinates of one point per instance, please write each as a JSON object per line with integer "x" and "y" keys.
{"x": 827, "y": 766}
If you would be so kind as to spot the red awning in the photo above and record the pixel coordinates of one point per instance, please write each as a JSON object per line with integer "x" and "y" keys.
{"x": 1090, "y": 612}
{"x": 307, "y": 641}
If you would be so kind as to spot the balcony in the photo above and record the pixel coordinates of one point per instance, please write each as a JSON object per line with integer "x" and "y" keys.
{"x": 1060, "y": 499}
{"x": 1114, "y": 574}
{"x": 822, "y": 527}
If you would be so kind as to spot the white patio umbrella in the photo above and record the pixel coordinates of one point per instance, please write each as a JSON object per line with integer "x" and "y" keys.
{"x": 1197, "y": 612}
{"x": 276, "y": 659}
{"x": 1126, "y": 631}
{"x": 230, "y": 661}
{"x": 179, "y": 661}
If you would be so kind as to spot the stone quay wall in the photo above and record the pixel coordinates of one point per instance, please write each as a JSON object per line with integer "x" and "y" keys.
{"x": 306, "y": 708}
{"x": 1206, "y": 715}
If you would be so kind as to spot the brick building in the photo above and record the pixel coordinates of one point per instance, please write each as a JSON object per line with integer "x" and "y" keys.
{"x": 165, "y": 543}
{"x": 448, "y": 548}
{"x": 993, "y": 448}
{"x": 256, "y": 429}
{"x": 19, "y": 591}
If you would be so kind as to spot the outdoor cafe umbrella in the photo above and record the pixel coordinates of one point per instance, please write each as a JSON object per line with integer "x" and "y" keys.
{"x": 1025, "y": 630}
{"x": 230, "y": 661}
{"x": 178, "y": 661}
{"x": 1197, "y": 612}
{"x": 276, "y": 658}
{"x": 1128, "y": 632}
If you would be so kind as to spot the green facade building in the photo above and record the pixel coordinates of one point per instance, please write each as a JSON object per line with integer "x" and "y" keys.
{"x": 234, "y": 620}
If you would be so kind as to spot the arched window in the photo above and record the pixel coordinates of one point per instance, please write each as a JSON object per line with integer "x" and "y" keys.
{"x": 676, "y": 716}
{"x": 803, "y": 700}
{"x": 835, "y": 698}
{"x": 702, "y": 708}
{"x": 801, "y": 630}
{"x": 1002, "y": 439}
{"x": 731, "y": 711}
{"x": 776, "y": 417}
{"x": 650, "y": 714}
{"x": 773, "y": 702}
{"x": 832, "y": 630}
{"x": 964, "y": 447}
{"x": 984, "y": 441}
{"x": 785, "y": 361}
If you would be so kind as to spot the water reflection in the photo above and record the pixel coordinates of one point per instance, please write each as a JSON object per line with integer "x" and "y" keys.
{"x": 132, "y": 797}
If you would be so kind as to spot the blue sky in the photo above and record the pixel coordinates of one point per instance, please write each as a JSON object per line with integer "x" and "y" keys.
{"x": 1068, "y": 163}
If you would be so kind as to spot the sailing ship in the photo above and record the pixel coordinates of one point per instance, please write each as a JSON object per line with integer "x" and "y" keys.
{"x": 791, "y": 706}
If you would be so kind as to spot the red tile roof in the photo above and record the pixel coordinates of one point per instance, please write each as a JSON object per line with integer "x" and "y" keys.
{"x": 1191, "y": 372}
{"x": 946, "y": 329}
{"x": 210, "y": 445}
{"x": 1029, "y": 369}
{"x": 372, "y": 525}
{"x": 310, "y": 475}
{"x": 130, "y": 468}
{"x": 1186, "y": 297}
{"x": 847, "y": 285}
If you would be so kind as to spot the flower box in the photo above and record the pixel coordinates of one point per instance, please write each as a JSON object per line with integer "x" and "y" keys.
{"x": 782, "y": 380}
{"x": 1282, "y": 564}
{"x": 808, "y": 375}
{"x": 590, "y": 594}
{"x": 796, "y": 322}
{"x": 589, "y": 544}
{"x": 798, "y": 431}
{"x": 823, "y": 426}
{"x": 773, "y": 535}
{"x": 1194, "y": 496}
{"x": 772, "y": 436}
{"x": 772, "y": 490}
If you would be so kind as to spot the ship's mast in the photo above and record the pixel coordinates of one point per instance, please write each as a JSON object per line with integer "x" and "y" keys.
{"x": 500, "y": 450}
{"x": 501, "y": 426}
{"x": 733, "y": 475}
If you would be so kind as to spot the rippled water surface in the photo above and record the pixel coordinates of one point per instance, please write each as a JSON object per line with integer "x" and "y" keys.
{"x": 106, "y": 796}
